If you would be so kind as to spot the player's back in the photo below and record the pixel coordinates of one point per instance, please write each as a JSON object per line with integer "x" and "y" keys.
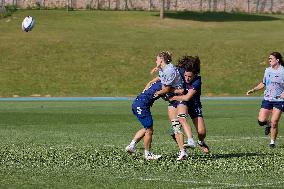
{"x": 147, "y": 96}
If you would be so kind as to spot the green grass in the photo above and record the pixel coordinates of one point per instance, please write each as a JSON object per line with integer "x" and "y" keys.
{"x": 110, "y": 53}
{"x": 81, "y": 145}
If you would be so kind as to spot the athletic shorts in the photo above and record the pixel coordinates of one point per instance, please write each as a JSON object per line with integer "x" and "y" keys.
{"x": 143, "y": 114}
{"x": 269, "y": 105}
{"x": 193, "y": 110}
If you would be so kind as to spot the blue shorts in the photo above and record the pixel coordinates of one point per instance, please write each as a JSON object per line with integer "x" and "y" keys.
{"x": 269, "y": 105}
{"x": 143, "y": 113}
{"x": 176, "y": 103}
{"x": 193, "y": 110}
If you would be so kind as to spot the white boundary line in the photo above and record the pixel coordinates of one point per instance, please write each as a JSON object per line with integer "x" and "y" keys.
{"x": 215, "y": 185}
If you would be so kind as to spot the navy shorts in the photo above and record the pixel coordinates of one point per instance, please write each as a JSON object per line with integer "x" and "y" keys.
{"x": 269, "y": 105}
{"x": 143, "y": 114}
{"x": 193, "y": 110}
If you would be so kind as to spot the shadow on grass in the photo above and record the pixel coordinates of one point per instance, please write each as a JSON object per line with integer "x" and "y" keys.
{"x": 218, "y": 16}
{"x": 230, "y": 155}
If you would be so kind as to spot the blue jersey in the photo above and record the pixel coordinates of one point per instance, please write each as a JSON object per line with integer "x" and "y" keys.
{"x": 274, "y": 83}
{"x": 142, "y": 103}
{"x": 196, "y": 85}
{"x": 147, "y": 96}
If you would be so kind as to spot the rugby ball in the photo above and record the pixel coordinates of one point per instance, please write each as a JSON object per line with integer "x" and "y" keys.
{"x": 28, "y": 24}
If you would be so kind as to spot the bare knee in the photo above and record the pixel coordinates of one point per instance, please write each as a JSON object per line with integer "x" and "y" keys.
{"x": 149, "y": 131}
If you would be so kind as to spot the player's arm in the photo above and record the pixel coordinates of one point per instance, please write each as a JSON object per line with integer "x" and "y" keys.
{"x": 186, "y": 97}
{"x": 177, "y": 91}
{"x": 155, "y": 69}
{"x": 256, "y": 88}
{"x": 165, "y": 89}
{"x": 151, "y": 82}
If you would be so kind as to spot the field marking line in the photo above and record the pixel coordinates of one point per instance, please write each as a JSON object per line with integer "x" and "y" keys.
{"x": 220, "y": 184}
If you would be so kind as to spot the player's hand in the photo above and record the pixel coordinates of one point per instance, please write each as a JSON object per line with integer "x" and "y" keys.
{"x": 156, "y": 95}
{"x": 154, "y": 70}
{"x": 282, "y": 95}
{"x": 250, "y": 92}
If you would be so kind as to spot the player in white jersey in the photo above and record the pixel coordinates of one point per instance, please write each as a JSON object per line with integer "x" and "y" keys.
{"x": 169, "y": 78}
{"x": 273, "y": 100}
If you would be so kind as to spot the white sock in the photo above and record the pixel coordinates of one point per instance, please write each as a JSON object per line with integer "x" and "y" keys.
{"x": 272, "y": 141}
{"x": 182, "y": 152}
{"x": 201, "y": 142}
{"x": 133, "y": 143}
{"x": 147, "y": 152}
{"x": 190, "y": 141}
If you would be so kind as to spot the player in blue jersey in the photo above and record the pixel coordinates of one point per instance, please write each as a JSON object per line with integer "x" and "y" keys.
{"x": 168, "y": 78}
{"x": 273, "y": 100}
{"x": 189, "y": 102}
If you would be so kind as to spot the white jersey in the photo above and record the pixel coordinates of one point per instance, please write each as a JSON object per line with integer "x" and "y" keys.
{"x": 170, "y": 76}
{"x": 274, "y": 83}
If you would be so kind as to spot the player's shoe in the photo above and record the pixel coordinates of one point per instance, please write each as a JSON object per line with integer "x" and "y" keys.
{"x": 182, "y": 156}
{"x": 272, "y": 145}
{"x": 190, "y": 144}
{"x": 204, "y": 147}
{"x": 267, "y": 130}
{"x": 130, "y": 150}
{"x": 151, "y": 156}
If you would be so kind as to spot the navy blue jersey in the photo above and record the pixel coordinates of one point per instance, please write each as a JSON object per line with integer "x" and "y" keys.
{"x": 147, "y": 96}
{"x": 181, "y": 72}
{"x": 196, "y": 85}
{"x": 142, "y": 103}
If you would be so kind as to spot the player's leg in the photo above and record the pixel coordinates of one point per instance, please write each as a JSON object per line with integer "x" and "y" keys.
{"x": 172, "y": 113}
{"x": 275, "y": 117}
{"x": 264, "y": 112}
{"x": 196, "y": 115}
{"x": 201, "y": 131}
{"x": 147, "y": 123}
{"x": 182, "y": 115}
{"x": 176, "y": 132}
{"x": 263, "y": 119}
{"x": 131, "y": 148}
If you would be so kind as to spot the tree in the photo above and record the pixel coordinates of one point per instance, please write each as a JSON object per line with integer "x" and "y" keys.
{"x": 162, "y": 8}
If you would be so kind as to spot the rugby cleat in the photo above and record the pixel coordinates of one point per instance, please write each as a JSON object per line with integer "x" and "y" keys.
{"x": 151, "y": 156}
{"x": 267, "y": 130}
{"x": 130, "y": 150}
{"x": 189, "y": 144}
{"x": 272, "y": 145}
{"x": 204, "y": 147}
{"x": 182, "y": 156}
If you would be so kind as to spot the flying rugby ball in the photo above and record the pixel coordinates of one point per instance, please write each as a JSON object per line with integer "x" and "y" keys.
{"x": 28, "y": 24}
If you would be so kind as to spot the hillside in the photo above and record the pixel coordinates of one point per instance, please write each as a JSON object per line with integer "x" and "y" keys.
{"x": 110, "y": 53}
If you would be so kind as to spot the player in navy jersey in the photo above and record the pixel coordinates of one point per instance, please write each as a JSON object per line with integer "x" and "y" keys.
{"x": 168, "y": 78}
{"x": 273, "y": 100}
{"x": 189, "y": 102}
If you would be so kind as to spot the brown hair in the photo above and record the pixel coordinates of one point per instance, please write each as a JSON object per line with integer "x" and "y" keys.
{"x": 190, "y": 64}
{"x": 278, "y": 56}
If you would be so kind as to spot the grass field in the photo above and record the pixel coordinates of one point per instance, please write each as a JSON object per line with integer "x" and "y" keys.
{"x": 81, "y": 145}
{"x": 110, "y": 53}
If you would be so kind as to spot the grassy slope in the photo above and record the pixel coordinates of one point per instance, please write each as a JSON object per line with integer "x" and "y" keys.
{"x": 110, "y": 53}
{"x": 80, "y": 145}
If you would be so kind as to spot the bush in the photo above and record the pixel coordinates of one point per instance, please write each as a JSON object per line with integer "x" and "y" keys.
{"x": 7, "y": 11}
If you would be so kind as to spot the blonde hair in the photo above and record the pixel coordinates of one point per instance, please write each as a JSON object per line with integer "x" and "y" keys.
{"x": 166, "y": 55}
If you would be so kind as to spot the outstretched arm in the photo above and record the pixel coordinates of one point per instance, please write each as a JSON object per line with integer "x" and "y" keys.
{"x": 256, "y": 88}
{"x": 151, "y": 82}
